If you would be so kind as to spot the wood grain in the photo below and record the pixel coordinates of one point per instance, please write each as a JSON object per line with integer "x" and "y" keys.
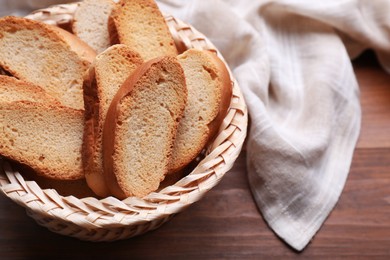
{"x": 375, "y": 101}
{"x": 226, "y": 224}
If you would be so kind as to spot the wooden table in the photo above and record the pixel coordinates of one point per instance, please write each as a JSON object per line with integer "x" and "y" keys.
{"x": 226, "y": 222}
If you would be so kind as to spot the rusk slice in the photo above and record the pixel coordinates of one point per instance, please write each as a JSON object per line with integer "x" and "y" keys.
{"x": 209, "y": 95}
{"x": 140, "y": 127}
{"x": 46, "y": 137}
{"x": 106, "y": 75}
{"x": 12, "y": 89}
{"x": 90, "y": 23}
{"x": 140, "y": 25}
{"x": 47, "y": 56}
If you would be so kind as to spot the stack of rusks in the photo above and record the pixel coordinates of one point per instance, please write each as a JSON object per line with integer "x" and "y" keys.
{"x": 112, "y": 101}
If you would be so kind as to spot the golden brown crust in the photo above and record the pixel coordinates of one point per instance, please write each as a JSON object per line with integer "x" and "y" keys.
{"x": 140, "y": 25}
{"x": 111, "y": 141}
{"x": 112, "y": 31}
{"x": 47, "y": 56}
{"x": 91, "y": 104}
{"x": 57, "y": 162}
{"x": 226, "y": 92}
{"x": 103, "y": 79}
{"x": 12, "y": 23}
{"x": 210, "y": 92}
{"x": 83, "y": 50}
{"x": 13, "y": 89}
{"x": 109, "y": 127}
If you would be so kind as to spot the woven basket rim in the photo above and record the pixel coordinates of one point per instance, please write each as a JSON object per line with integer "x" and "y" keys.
{"x": 92, "y": 213}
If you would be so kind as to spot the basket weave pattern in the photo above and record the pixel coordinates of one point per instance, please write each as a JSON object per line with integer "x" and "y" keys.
{"x": 111, "y": 219}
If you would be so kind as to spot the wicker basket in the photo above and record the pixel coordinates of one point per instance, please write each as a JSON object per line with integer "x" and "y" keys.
{"x": 111, "y": 219}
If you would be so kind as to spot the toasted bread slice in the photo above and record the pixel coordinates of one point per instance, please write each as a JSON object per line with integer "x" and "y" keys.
{"x": 12, "y": 89}
{"x": 140, "y": 25}
{"x": 46, "y": 137}
{"x": 47, "y": 56}
{"x": 209, "y": 95}
{"x": 106, "y": 75}
{"x": 90, "y": 23}
{"x": 140, "y": 127}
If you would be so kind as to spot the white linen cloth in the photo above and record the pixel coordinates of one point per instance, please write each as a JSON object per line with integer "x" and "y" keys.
{"x": 292, "y": 61}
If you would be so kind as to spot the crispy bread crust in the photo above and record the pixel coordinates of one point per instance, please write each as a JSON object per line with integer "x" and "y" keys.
{"x": 96, "y": 98}
{"x": 120, "y": 189}
{"x": 220, "y": 84}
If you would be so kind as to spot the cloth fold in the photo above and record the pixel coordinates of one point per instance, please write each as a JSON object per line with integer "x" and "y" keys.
{"x": 292, "y": 61}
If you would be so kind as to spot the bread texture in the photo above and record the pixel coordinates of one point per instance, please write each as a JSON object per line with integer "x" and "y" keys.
{"x": 46, "y": 137}
{"x": 104, "y": 78}
{"x": 209, "y": 95}
{"x": 140, "y": 25}
{"x": 140, "y": 127}
{"x": 12, "y": 89}
{"x": 46, "y": 56}
{"x": 90, "y": 23}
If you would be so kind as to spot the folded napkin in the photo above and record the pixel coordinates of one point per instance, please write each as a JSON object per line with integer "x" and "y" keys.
{"x": 292, "y": 61}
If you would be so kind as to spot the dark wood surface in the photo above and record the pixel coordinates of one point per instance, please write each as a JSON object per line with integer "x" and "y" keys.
{"x": 226, "y": 222}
